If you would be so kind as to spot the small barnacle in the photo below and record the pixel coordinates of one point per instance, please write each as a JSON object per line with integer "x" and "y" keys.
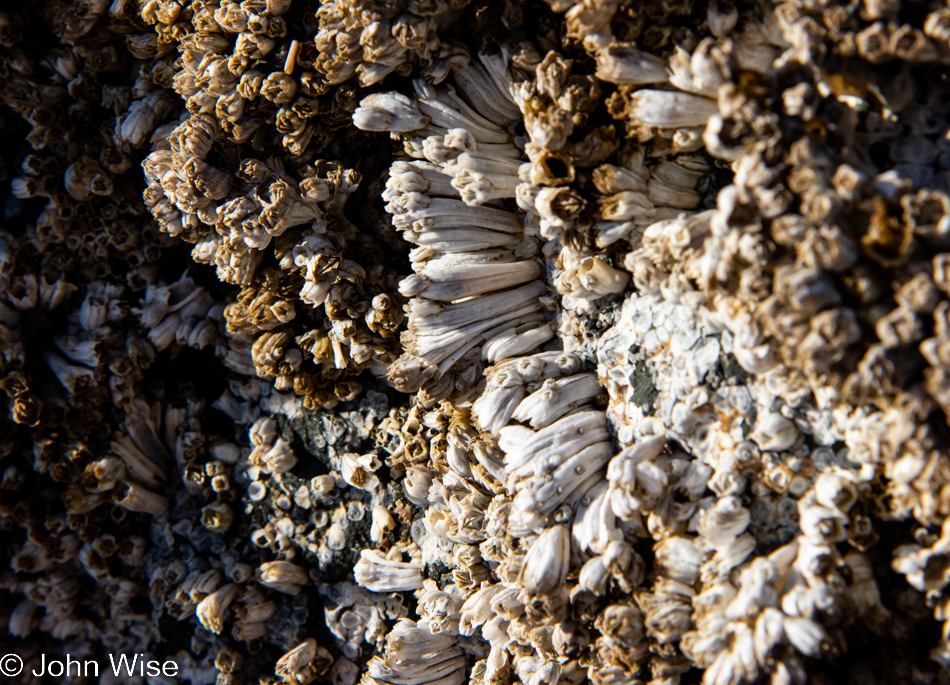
{"x": 926, "y": 212}
{"x": 773, "y": 432}
{"x": 389, "y": 112}
{"x": 721, "y": 17}
{"x": 546, "y": 563}
{"x": 380, "y": 574}
{"x": 283, "y": 576}
{"x": 627, "y": 65}
{"x": 211, "y": 610}
{"x": 873, "y": 42}
{"x": 887, "y": 240}
{"x": 279, "y": 88}
{"x": 217, "y": 517}
{"x": 357, "y": 470}
{"x": 134, "y": 497}
{"x": 303, "y": 663}
{"x": 911, "y": 45}
{"x": 667, "y": 109}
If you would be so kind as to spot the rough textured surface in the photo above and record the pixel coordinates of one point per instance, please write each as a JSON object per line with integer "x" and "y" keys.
{"x": 493, "y": 342}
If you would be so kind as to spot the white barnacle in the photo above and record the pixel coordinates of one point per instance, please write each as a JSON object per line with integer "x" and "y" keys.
{"x": 624, "y": 64}
{"x": 547, "y": 561}
{"x": 358, "y": 470}
{"x": 389, "y": 112}
{"x": 211, "y": 610}
{"x": 486, "y": 87}
{"x": 440, "y": 610}
{"x": 669, "y": 109}
{"x": 280, "y": 458}
{"x": 380, "y": 574}
{"x": 805, "y": 635}
{"x": 283, "y": 576}
{"x": 382, "y": 523}
{"x": 773, "y": 432}
{"x": 477, "y": 609}
{"x": 416, "y": 656}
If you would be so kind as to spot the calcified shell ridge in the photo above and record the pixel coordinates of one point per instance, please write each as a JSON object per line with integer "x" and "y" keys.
{"x": 437, "y": 342}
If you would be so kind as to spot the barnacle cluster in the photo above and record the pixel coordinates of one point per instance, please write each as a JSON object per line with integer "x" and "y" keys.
{"x": 624, "y": 357}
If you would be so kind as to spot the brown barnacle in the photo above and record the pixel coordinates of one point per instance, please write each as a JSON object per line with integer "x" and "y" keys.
{"x": 548, "y": 125}
{"x": 910, "y": 44}
{"x": 134, "y": 497}
{"x": 941, "y": 271}
{"x": 267, "y": 310}
{"x": 132, "y": 550}
{"x": 927, "y": 212}
{"x": 269, "y": 350}
{"x": 78, "y": 501}
{"x": 827, "y": 247}
{"x": 559, "y": 208}
{"x": 230, "y": 665}
{"x": 849, "y": 182}
{"x": 26, "y": 187}
{"x": 230, "y": 107}
{"x": 623, "y": 636}
{"x": 552, "y": 168}
{"x": 919, "y": 294}
{"x": 250, "y": 84}
{"x": 85, "y": 178}
{"x": 937, "y": 25}
{"x": 211, "y": 610}
{"x": 873, "y": 10}
{"x": 283, "y": 576}
{"x": 873, "y": 43}
{"x": 886, "y": 240}
{"x": 721, "y": 17}
{"x": 899, "y": 327}
{"x": 268, "y": 23}
{"x": 595, "y": 148}
{"x": 820, "y": 205}
{"x": 231, "y": 16}
{"x": 22, "y": 620}
{"x": 806, "y": 290}
{"x": 876, "y": 374}
{"x": 279, "y": 88}
{"x": 103, "y": 474}
{"x": 217, "y": 517}
{"x": 384, "y": 317}
{"x": 249, "y": 631}
{"x": 317, "y": 343}
{"x": 284, "y": 207}
{"x": 254, "y": 46}
{"x": 27, "y": 410}
{"x": 253, "y": 607}
{"x": 208, "y": 181}
{"x": 302, "y": 664}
